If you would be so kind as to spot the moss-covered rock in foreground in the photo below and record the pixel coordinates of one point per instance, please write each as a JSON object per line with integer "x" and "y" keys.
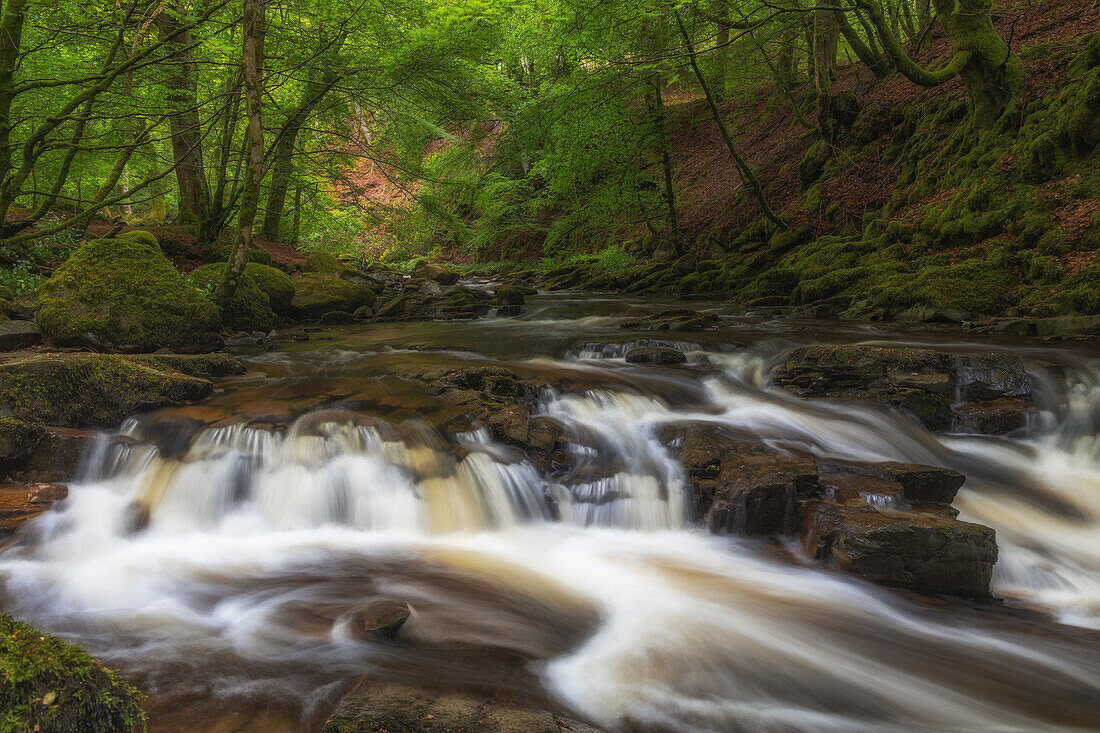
{"x": 276, "y": 284}
{"x": 47, "y": 684}
{"x": 248, "y": 310}
{"x": 101, "y": 390}
{"x": 125, "y": 294}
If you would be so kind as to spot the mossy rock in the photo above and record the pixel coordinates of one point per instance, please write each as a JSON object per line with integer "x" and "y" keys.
{"x": 17, "y": 438}
{"x": 249, "y": 309}
{"x": 317, "y": 293}
{"x": 320, "y": 260}
{"x": 47, "y": 684}
{"x": 84, "y": 390}
{"x": 123, "y": 294}
{"x": 141, "y": 236}
{"x": 276, "y": 284}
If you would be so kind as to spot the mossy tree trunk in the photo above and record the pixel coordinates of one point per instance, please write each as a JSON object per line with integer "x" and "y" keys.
{"x": 252, "y": 54}
{"x": 980, "y": 56}
{"x": 182, "y": 83}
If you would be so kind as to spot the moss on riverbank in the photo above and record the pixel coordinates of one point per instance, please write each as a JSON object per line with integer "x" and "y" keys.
{"x": 47, "y": 684}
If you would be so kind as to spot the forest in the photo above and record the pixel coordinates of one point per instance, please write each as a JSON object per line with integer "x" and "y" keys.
{"x": 549, "y": 365}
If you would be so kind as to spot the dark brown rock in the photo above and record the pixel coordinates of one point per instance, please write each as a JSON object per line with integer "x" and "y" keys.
{"x": 917, "y": 483}
{"x": 995, "y": 417}
{"x": 379, "y": 619}
{"x": 917, "y": 551}
{"x": 18, "y": 335}
{"x": 655, "y": 355}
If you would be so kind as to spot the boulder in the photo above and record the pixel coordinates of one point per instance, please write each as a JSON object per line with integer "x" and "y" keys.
{"x": 995, "y": 417}
{"x": 17, "y": 438}
{"x": 508, "y": 295}
{"x": 337, "y": 318}
{"x": 918, "y": 483}
{"x": 248, "y": 310}
{"x": 1068, "y": 326}
{"x": 920, "y": 382}
{"x": 363, "y": 313}
{"x": 317, "y": 293}
{"x": 319, "y": 260}
{"x": 47, "y": 493}
{"x": 915, "y": 551}
{"x": 92, "y": 390}
{"x": 276, "y": 284}
{"x": 18, "y": 335}
{"x": 378, "y": 620}
{"x": 431, "y": 271}
{"x": 430, "y": 288}
{"x": 391, "y": 308}
{"x": 125, "y": 295}
{"x": 655, "y": 355}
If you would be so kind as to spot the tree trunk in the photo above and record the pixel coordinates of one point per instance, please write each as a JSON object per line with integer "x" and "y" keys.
{"x": 980, "y": 56}
{"x": 747, "y": 174}
{"x": 251, "y": 64}
{"x": 721, "y": 40}
{"x": 655, "y": 102}
{"x": 182, "y": 83}
{"x": 873, "y": 60}
{"x": 11, "y": 40}
{"x": 826, "y": 35}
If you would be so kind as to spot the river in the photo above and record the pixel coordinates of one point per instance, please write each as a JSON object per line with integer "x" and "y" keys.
{"x": 215, "y": 554}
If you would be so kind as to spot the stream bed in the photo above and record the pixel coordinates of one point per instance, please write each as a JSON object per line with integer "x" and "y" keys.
{"x": 215, "y": 554}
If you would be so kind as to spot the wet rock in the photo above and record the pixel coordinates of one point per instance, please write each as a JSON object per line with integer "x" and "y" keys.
{"x": 363, "y": 313}
{"x": 386, "y": 706}
{"x": 317, "y": 293}
{"x": 439, "y": 273}
{"x": 510, "y": 424}
{"x": 921, "y": 552}
{"x": 1068, "y": 326}
{"x": 18, "y": 335}
{"x": 991, "y": 377}
{"x": 917, "y": 483}
{"x": 92, "y": 390}
{"x": 508, "y": 295}
{"x": 920, "y": 382}
{"x": 378, "y": 620}
{"x": 18, "y": 438}
{"x": 655, "y": 355}
{"x": 509, "y": 311}
{"x": 674, "y": 319}
{"x": 336, "y": 318}
{"x": 995, "y": 417}
{"x": 391, "y": 308}
{"x": 431, "y": 288}
{"x": 47, "y": 493}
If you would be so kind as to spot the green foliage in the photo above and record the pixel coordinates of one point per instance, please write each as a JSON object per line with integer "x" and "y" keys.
{"x": 249, "y": 309}
{"x": 47, "y": 684}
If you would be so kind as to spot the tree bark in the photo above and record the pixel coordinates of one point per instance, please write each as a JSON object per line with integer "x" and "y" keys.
{"x": 252, "y": 51}
{"x": 187, "y": 149}
{"x": 747, "y": 174}
{"x": 990, "y": 70}
{"x": 873, "y": 60}
{"x": 655, "y": 102}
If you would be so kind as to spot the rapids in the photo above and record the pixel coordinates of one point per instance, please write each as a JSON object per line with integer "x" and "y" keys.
{"x": 213, "y": 557}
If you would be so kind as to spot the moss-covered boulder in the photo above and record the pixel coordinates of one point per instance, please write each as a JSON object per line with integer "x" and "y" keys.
{"x": 101, "y": 390}
{"x": 321, "y": 261}
{"x": 140, "y": 236}
{"x": 276, "y": 284}
{"x": 47, "y": 684}
{"x": 317, "y": 293}
{"x": 123, "y": 294}
{"x": 249, "y": 309}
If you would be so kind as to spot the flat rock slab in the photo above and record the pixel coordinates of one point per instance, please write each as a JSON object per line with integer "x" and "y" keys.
{"x": 18, "y": 335}
{"x": 375, "y": 707}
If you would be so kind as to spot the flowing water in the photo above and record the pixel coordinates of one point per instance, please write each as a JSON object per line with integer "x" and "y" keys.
{"x": 217, "y": 553}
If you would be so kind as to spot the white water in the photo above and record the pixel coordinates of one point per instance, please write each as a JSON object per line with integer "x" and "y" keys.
{"x": 629, "y": 617}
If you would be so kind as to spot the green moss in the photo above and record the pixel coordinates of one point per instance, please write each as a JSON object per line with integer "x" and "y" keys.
{"x": 249, "y": 309}
{"x": 320, "y": 260}
{"x": 95, "y": 390}
{"x": 276, "y": 284}
{"x": 47, "y": 684}
{"x": 317, "y": 293}
{"x": 118, "y": 293}
{"x": 141, "y": 237}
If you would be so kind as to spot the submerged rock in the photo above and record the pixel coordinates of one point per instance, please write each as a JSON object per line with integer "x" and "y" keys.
{"x": 47, "y": 493}
{"x": 378, "y": 620}
{"x": 121, "y": 294}
{"x": 388, "y": 706}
